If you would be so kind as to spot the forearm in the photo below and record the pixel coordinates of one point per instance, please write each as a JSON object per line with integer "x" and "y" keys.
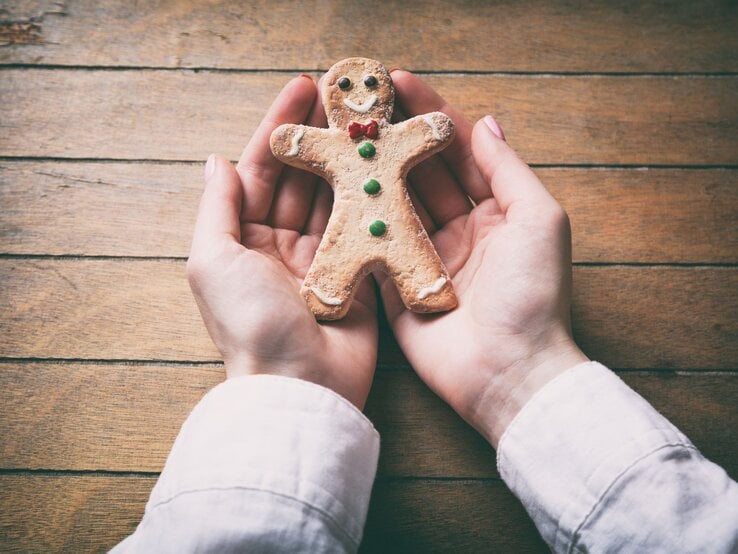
{"x": 599, "y": 470}
{"x": 264, "y": 463}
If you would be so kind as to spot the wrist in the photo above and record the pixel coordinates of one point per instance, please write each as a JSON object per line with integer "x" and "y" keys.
{"x": 244, "y": 364}
{"x": 510, "y": 389}
{"x": 350, "y": 386}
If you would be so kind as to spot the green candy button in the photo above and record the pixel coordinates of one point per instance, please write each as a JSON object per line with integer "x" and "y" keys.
{"x": 367, "y": 150}
{"x": 372, "y": 186}
{"x": 377, "y": 228}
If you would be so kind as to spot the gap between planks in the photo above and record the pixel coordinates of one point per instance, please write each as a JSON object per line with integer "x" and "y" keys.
{"x": 319, "y": 71}
{"x": 172, "y": 161}
{"x": 23, "y": 256}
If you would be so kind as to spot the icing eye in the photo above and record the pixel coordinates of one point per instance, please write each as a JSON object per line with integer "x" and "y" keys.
{"x": 370, "y": 81}
{"x": 344, "y": 83}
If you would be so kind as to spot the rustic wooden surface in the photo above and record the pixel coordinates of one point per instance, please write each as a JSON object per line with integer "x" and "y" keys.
{"x": 628, "y": 112}
{"x": 184, "y": 115}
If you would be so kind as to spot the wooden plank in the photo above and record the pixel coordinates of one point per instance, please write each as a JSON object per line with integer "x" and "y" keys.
{"x": 550, "y": 120}
{"x": 69, "y": 513}
{"x": 130, "y": 421}
{"x": 633, "y": 317}
{"x": 101, "y": 309}
{"x": 438, "y": 516}
{"x": 147, "y": 209}
{"x": 520, "y": 36}
{"x": 115, "y": 209}
{"x": 117, "y": 417}
{"x": 649, "y": 215}
{"x": 626, "y": 317}
{"x": 85, "y": 513}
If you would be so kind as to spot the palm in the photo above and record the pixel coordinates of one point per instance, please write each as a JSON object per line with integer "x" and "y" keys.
{"x": 284, "y": 256}
{"x": 257, "y": 232}
{"x": 507, "y": 254}
{"x": 489, "y": 257}
{"x": 274, "y": 263}
{"x": 463, "y": 244}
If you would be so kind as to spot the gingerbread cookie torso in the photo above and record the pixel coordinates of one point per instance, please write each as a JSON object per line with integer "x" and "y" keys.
{"x": 365, "y": 159}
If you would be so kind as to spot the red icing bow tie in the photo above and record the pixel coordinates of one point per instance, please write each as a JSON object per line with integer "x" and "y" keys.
{"x": 370, "y": 130}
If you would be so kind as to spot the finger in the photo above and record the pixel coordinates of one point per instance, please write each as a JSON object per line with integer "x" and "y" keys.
{"x": 294, "y": 195}
{"x": 434, "y": 183}
{"x": 420, "y": 209}
{"x": 510, "y": 179}
{"x": 441, "y": 195}
{"x": 258, "y": 168}
{"x": 218, "y": 221}
{"x": 416, "y": 97}
{"x": 320, "y": 211}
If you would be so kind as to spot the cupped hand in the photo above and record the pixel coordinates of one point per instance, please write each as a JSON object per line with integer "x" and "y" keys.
{"x": 506, "y": 243}
{"x": 257, "y": 230}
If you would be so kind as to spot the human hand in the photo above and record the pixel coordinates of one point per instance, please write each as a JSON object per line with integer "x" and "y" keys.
{"x": 257, "y": 231}
{"x": 509, "y": 256}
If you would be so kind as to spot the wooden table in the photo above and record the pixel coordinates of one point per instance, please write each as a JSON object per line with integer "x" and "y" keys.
{"x": 629, "y": 114}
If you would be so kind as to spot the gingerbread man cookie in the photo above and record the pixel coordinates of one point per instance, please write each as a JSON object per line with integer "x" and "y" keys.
{"x": 365, "y": 158}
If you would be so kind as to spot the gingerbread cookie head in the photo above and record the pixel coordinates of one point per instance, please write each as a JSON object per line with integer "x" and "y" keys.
{"x": 357, "y": 88}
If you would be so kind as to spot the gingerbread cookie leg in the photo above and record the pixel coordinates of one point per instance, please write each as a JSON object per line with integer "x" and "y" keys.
{"x": 436, "y": 296}
{"x": 330, "y": 284}
{"x": 422, "y": 281}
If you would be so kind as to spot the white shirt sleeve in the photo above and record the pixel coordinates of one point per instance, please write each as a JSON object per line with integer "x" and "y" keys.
{"x": 600, "y": 470}
{"x": 263, "y": 464}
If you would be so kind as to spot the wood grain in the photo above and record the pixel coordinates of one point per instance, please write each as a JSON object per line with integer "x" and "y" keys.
{"x": 474, "y": 36}
{"x": 86, "y": 513}
{"x": 160, "y": 85}
{"x": 441, "y": 516}
{"x": 68, "y": 513}
{"x": 549, "y": 119}
{"x": 147, "y": 209}
{"x": 626, "y": 317}
{"x": 118, "y": 417}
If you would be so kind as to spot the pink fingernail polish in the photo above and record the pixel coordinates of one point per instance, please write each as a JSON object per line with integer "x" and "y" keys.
{"x": 210, "y": 167}
{"x": 494, "y": 127}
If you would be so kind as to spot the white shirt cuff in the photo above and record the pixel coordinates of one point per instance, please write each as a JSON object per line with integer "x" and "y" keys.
{"x": 595, "y": 464}
{"x": 289, "y": 439}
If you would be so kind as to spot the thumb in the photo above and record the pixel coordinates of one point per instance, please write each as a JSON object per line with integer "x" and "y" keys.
{"x": 511, "y": 180}
{"x": 218, "y": 218}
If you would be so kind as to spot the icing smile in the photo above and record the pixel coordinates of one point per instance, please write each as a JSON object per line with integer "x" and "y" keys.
{"x": 361, "y": 108}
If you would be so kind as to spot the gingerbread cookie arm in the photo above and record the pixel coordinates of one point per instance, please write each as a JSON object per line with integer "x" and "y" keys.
{"x": 424, "y": 135}
{"x": 301, "y": 146}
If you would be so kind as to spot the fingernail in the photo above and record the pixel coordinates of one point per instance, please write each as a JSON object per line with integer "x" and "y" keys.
{"x": 394, "y": 69}
{"x": 494, "y": 127}
{"x": 306, "y": 75}
{"x": 210, "y": 167}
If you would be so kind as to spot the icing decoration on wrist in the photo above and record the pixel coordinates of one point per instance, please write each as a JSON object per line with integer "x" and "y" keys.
{"x": 433, "y": 289}
{"x": 296, "y": 142}
{"x": 377, "y": 228}
{"x": 324, "y": 298}
{"x": 432, "y": 124}
{"x": 370, "y": 130}
{"x": 367, "y": 150}
{"x": 361, "y": 108}
{"x": 372, "y": 187}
